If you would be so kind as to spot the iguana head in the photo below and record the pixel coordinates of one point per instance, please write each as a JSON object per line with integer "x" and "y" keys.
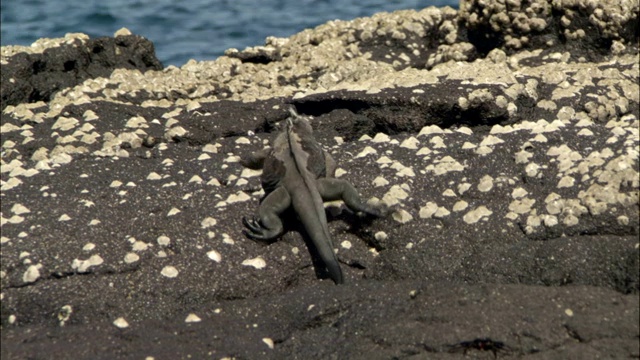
{"x": 298, "y": 124}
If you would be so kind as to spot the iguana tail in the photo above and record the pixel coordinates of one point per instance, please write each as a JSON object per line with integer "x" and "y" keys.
{"x": 314, "y": 221}
{"x": 324, "y": 246}
{"x": 309, "y": 206}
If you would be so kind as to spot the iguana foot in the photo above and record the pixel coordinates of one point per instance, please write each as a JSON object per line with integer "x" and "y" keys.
{"x": 382, "y": 210}
{"x": 252, "y": 224}
{"x": 267, "y": 225}
{"x": 257, "y": 231}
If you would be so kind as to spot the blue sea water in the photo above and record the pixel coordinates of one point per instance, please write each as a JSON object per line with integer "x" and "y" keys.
{"x": 183, "y": 30}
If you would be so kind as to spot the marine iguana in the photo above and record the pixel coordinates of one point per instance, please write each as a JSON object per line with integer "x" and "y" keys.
{"x": 298, "y": 173}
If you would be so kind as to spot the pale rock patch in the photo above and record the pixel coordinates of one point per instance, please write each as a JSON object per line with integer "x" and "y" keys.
{"x": 130, "y": 258}
{"x": 483, "y": 150}
{"x": 402, "y": 216}
{"x": 566, "y": 181}
{"x": 380, "y": 138}
{"x": 394, "y": 195}
{"x": 163, "y": 240}
{"x": 449, "y": 193}
{"x": 427, "y": 211}
{"x": 192, "y": 318}
{"x": 196, "y": 179}
{"x": 521, "y": 206}
{"x": 214, "y": 255}
{"x": 437, "y": 142}
{"x": 248, "y": 173}
{"x": 460, "y": 205}
{"x": 518, "y": 193}
{"x": 441, "y": 212}
{"x": 431, "y": 129}
{"x": 486, "y": 183}
{"x": 82, "y": 266}
{"x": 462, "y": 188}
{"x": 257, "y": 263}
{"x": 121, "y": 323}
{"x": 366, "y": 151}
{"x": 491, "y": 140}
{"x": 32, "y": 274}
{"x": 169, "y": 271}
{"x": 410, "y": 143}
{"x": 154, "y": 176}
{"x": 19, "y": 209}
{"x": 208, "y": 222}
{"x": 384, "y": 160}
{"x": 479, "y": 213}
{"x": 380, "y": 181}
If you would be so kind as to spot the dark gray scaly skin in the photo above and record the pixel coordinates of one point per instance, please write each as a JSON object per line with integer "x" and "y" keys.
{"x": 298, "y": 173}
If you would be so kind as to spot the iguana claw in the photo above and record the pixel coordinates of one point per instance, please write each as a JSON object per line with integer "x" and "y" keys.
{"x": 253, "y": 224}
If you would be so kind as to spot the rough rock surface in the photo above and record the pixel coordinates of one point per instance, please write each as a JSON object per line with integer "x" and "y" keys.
{"x": 36, "y": 73}
{"x": 507, "y": 139}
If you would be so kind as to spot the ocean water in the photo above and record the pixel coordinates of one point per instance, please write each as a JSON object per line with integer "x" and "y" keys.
{"x": 183, "y": 30}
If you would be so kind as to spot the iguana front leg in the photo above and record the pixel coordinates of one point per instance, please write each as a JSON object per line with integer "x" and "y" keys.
{"x": 336, "y": 189}
{"x": 267, "y": 225}
{"x": 255, "y": 161}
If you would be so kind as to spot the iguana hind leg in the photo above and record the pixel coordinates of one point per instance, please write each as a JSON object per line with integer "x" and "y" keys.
{"x": 267, "y": 225}
{"x": 336, "y": 189}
